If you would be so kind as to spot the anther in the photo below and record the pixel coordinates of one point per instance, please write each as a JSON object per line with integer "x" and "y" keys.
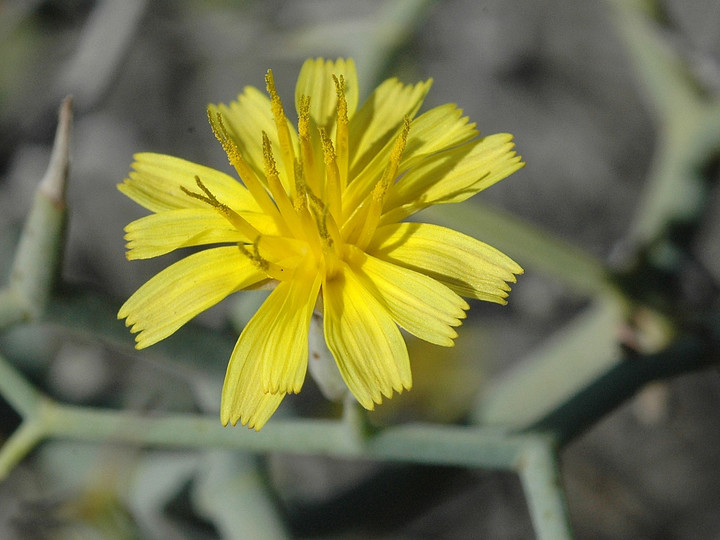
{"x": 281, "y": 124}
{"x": 273, "y": 270}
{"x": 233, "y": 217}
{"x": 221, "y": 134}
{"x": 307, "y": 154}
{"x": 321, "y": 215}
{"x": 208, "y": 198}
{"x": 300, "y": 200}
{"x": 282, "y": 199}
{"x": 257, "y": 190}
{"x": 333, "y": 187}
{"x": 269, "y": 159}
{"x": 255, "y": 257}
{"x": 341, "y": 135}
{"x": 377, "y": 197}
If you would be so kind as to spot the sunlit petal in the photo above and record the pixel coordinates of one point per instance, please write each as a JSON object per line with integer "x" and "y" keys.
{"x": 281, "y": 330}
{"x": 452, "y": 176}
{"x": 438, "y": 129}
{"x": 316, "y": 81}
{"x": 270, "y": 358}
{"x": 421, "y": 305}
{"x": 466, "y": 265}
{"x": 158, "y": 234}
{"x": 243, "y": 397}
{"x": 380, "y": 118}
{"x": 184, "y": 289}
{"x": 365, "y": 341}
{"x": 157, "y": 182}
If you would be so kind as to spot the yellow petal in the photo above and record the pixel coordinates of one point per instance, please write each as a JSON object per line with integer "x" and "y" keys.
{"x": 270, "y": 358}
{"x": 421, "y": 305}
{"x": 452, "y": 176}
{"x": 246, "y": 119}
{"x": 434, "y": 131}
{"x": 243, "y": 397}
{"x": 439, "y": 129}
{"x": 157, "y": 234}
{"x": 157, "y": 180}
{"x": 316, "y": 81}
{"x": 364, "y": 339}
{"x": 468, "y": 266}
{"x": 380, "y": 119}
{"x": 280, "y": 331}
{"x": 184, "y": 289}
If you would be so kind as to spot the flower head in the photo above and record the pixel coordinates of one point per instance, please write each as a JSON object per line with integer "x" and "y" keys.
{"x": 319, "y": 216}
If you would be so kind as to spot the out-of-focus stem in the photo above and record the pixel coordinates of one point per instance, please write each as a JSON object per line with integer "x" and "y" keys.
{"x": 38, "y": 255}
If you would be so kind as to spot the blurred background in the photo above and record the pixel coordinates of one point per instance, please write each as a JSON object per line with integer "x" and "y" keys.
{"x": 555, "y": 73}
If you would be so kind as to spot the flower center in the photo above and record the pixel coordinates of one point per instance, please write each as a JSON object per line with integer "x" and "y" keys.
{"x": 305, "y": 202}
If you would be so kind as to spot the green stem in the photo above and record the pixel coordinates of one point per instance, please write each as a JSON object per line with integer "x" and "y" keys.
{"x": 676, "y": 189}
{"x": 20, "y": 444}
{"x": 446, "y": 445}
{"x": 668, "y": 84}
{"x": 12, "y": 310}
{"x": 354, "y": 419}
{"x": 14, "y": 388}
{"x": 37, "y": 257}
{"x": 530, "y": 454}
{"x": 607, "y": 392}
{"x": 438, "y": 445}
{"x": 554, "y": 371}
{"x": 543, "y": 490}
{"x": 688, "y": 126}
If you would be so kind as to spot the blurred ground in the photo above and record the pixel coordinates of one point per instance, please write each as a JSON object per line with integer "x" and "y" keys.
{"x": 554, "y": 73}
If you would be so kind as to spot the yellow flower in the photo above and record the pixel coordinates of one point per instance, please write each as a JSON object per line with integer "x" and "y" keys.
{"x": 319, "y": 217}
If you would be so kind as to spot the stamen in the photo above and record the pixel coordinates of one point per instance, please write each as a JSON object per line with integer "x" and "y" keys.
{"x": 273, "y": 270}
{"x": 326, "y": 226}
{"x": 328, "y": 232}
{"x": 283, "y": 131}
{"x": 208, "y": 197}
{"x": 315, "y": 200}
{"x": 395, "y": 157}
{"x": 341, "y": 136}
{"x": 233, "y": 217}
{"x": 320, "y": 216}
{"x": 377, "y": 197}
{"x": 255, "y": 257}
{"x": 277, "y": 190}
{"x": 247, "y": 175}
{"x": 306, "y": 146}
{"x": 333, "y": 192}
{"x": 299, "y": 202}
